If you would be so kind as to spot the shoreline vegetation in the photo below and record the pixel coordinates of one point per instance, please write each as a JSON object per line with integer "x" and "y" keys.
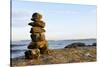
{"x": 72, "y": 53}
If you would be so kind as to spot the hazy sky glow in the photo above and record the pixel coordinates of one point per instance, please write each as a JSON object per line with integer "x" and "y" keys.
{"x": 63, "y": 21}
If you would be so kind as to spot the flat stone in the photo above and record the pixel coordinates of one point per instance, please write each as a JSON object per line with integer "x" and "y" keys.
{"x": 39, "y": 44}
{"x": 37, "y": 30}
{"x": 38, "y": 24}
{"x": 36, "y": 17}
{"x": 42, "y": 37}
{"x": 32, "y": 45}
{"x": 37, "y": 37}
{"x": 42, "y": 44}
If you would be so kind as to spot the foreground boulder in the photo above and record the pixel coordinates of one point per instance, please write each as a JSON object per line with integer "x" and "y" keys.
{"x": 32, "y": 54}
{"x": 78, "y": 44}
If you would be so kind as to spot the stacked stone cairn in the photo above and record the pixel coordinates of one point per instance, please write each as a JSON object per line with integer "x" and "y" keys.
{"x": 38, "y": 44}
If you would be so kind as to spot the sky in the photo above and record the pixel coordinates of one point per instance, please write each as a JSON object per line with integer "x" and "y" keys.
{"x": 63, "y": 20}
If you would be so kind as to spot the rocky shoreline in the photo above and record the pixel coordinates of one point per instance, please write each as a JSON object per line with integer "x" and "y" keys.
{"x": 60, "y": 56}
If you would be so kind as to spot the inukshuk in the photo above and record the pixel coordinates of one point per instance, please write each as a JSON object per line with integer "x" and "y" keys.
{"x": 38, "y": 43}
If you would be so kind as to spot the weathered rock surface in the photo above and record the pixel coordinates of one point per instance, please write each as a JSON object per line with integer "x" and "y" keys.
{"x": 37, "y": 37}
{"x": 36, "y": 17}
{"x": 39, "y": 24}
{"x": 36, "y": 30}
{"x": 94, "y": 44}
{"x": 78, "y": 44}
{"x": 39, "y": 44}
{"x": 32, "y": 54}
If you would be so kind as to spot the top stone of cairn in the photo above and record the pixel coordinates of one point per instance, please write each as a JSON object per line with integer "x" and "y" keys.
{"x": 36, "y": 17}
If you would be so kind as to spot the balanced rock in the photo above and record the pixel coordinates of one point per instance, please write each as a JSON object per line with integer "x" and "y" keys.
{"x": 32, "y": 45}
{"x": 37, "y": 37}
{"x": 36, "y": 30}
{"x": 32, "y": 54}
{"x": 42, "y": 37}
{"x": 39, "y": 43}
{"x": 36, "y": 17}
{"x": 39, "y": 24}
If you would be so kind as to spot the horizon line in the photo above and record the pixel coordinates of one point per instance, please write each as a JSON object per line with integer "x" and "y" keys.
{"x": 57, "y": 39}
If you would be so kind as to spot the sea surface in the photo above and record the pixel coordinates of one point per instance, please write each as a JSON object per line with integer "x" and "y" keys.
{"x": 19, "y": 47}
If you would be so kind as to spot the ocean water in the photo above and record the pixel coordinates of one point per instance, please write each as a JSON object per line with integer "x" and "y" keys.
{"x": 19, "y": 47}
